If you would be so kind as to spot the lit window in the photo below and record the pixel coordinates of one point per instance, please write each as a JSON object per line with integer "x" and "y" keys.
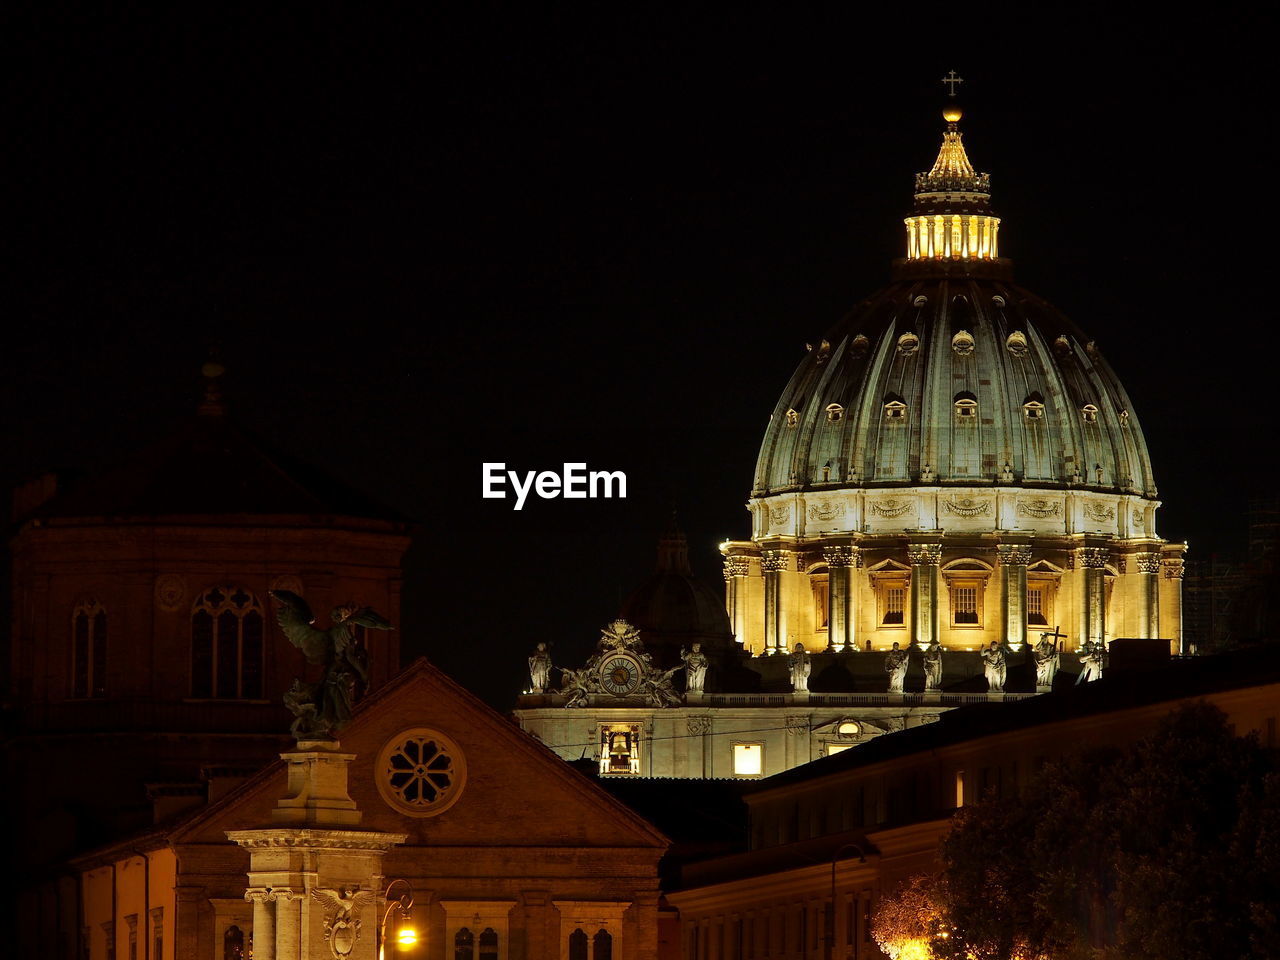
{"x": 849, "y": 728}
{"x": 834, "y": 748}
{"x": 1089, "y": 413}
{"x": 792, "y": 418}
{"x": 893, "y": 602}
{"x": 89, "y": 650}
{"x": 748, "y": 759}
{"x": 1033, "y": 406}
{"x": 226, "y": 645}
{"x": 1017, "y": 343}
{"x": 966, "y": 405}
{"x": 966, "y": 599}
{"x": 835, "y": 413}
{"x": 1038, "y": 604}
{"x": 894, "y": 410}
{"x": 908, "y": 344}
{"x": 962, "y": 343}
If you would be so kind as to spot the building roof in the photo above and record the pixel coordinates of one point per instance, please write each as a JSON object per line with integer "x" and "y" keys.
{"x": 1178, "y": 680}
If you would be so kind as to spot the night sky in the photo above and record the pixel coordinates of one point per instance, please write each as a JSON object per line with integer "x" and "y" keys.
{"x": 601, "y": 237}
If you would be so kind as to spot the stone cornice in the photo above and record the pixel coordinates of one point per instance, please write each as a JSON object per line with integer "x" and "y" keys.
{"x": 314, "y": 839}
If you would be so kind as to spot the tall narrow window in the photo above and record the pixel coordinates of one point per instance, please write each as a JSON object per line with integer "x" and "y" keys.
{"x": 578, "y": 944}
{"x": 464, "y": 944}
{"x": 1036, "y": 607}
{"x": 226, "y": 645}
{"x": 965, "y": 600}
{"x": 489, "y": 944}
{"x": 89, "y": 650}
{"x": 819, "y": 586}
{"x": 894, "y": 603}
{"x": 602, "y": 946}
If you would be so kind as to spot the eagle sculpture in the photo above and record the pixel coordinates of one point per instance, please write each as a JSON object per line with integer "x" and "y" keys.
{"x": 323, "y": 708}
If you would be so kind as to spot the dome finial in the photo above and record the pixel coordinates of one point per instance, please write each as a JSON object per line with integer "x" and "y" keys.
{"x": 952, "y": 112}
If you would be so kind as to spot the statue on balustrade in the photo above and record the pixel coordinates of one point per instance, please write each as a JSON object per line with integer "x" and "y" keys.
{"x": 994, "y": 664}
{"x": 895, "y": 664}
{"x": 800, "y": 666}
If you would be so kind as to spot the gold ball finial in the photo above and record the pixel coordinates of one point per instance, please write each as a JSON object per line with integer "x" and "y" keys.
{"x": 952, "y": 113}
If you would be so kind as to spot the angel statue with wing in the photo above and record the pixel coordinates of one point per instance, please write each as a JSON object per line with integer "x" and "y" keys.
{"x": 320, "y": 709}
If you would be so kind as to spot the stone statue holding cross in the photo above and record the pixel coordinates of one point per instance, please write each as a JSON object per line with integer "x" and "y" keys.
{"x": 1047, "y": 658}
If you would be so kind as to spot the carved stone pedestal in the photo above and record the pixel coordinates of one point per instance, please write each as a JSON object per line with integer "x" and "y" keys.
{"x": 315, "y": 883}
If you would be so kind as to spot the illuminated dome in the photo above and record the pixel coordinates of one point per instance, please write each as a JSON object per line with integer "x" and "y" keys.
{"x": 952, "y": 461}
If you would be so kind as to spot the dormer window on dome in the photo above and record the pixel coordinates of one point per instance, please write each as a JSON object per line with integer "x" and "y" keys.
{"x": 894, "y": 408}
{"x": 962, "y": 343}
{"x": 908, "y": 344}
{"x": 1089, "y": 413}
{"x": 966, "y": 405}
{"x": 1016, "y": 344}
{"x": 859, "y": 345}
{"x": 835, "y": 413}
{"x": 1033, "y": 407}
{"x": 792, "y": 418}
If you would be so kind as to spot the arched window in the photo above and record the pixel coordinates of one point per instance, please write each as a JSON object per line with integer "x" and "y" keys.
{"x": 835, "y": 413}
{"x": 966, "y": 404}
{"x": 819, "y": 585}
{"x": 226, "y": 645}
{"x": 602, "y": 946}
{"x": 89, "y": 650}
{"x": 1089, "y": 413}
{"x": 464, "y": 944}
{"x": 578, "y": 945}
{"x": 489, "y": 944}
{"x": 233, "y": 944}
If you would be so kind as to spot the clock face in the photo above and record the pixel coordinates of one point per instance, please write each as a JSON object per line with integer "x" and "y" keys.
{"x": 619, "y": 675}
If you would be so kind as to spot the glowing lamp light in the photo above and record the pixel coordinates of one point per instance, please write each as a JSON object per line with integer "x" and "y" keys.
{"x": 406, "y": 937}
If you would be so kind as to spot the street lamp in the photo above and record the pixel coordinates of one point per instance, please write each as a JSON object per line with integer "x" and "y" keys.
{"x": 831, "y": 906}
{"x": 406, "y": 936}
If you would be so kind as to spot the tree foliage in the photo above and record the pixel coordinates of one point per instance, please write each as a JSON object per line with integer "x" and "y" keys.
{"x": 1169, "y": 848}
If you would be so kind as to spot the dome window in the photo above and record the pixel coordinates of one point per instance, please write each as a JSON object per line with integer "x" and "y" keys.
{"x": 1062, "y": 346}
{"x": 792, "y": 418}
{"x": 1089, "y": 413}
{"x": 908, "y": 344}
{"x": 920, "y": 301}
{"x": 1017, "y": 343}
{"x": 998, "y": 300}
{"x": 1033, "y": 407}
{"x": 962, "y": 343}
{"x": 835, "y": 413}
{"x": 894, "y": 408}
{"x": 966, "y": 405}
{"x": 859, "y": 345}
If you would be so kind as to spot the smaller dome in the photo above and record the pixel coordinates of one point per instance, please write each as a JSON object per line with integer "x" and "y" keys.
{"x": 674, "y": 609}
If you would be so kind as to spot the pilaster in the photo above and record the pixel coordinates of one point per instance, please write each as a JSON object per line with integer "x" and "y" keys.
{"x": 924, "y": 559}
{"x": 1014, "y": 558}
{"x": 842, "y": 613}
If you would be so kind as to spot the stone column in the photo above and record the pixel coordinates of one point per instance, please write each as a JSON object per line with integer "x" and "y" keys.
{"x": 736, "y": 570}
{"x": 288, "y": 922}
{"x": 1093, "y": 560}
{"x": 1149, "y": 588}
{"x": 775, "y": 621}
{"x": 1014, "y": 558}
{"x": 264, "y": 923}
{"x": 924, "y": 559}
{"x": 841, "y": 609}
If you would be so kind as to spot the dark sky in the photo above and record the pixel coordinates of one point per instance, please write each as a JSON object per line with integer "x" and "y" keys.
{"x": 602, "y": 237}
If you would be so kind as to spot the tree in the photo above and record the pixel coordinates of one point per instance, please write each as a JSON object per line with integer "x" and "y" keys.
{"x": 1166, "y": 848}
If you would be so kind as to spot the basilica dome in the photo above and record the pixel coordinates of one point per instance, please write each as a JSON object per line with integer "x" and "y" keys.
{"x": 953, "y": 374}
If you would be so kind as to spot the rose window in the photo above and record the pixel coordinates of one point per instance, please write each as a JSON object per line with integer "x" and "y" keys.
{"x": 421, "y": 772}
